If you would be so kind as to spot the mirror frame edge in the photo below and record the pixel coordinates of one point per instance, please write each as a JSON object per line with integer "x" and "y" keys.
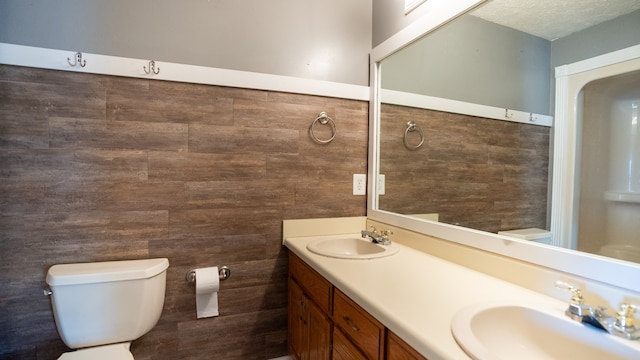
{"x": 594, "y": 267}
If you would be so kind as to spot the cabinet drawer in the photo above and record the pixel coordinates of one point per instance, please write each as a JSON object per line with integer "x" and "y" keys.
{"x": 313, "y": 284}
{"x": 365, "y": 331}
{"x": 397, "y": 349}
{"x": 343, "y": 349}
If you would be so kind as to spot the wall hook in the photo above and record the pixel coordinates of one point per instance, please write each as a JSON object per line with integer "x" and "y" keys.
{"x": 152, "y": 68}
{"x": 78, "y": 60}
{"x": 507, "y": 114}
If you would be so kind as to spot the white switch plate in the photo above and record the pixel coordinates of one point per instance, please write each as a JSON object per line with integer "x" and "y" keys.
{"x": 380, "y": 184}
{"x": 359, "y": 184}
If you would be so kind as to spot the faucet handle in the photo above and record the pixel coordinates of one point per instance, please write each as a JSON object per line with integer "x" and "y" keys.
{"x": 373, "y": 229}
{"x": 577, "y": 309}
{"x": 576, "y": 297}
{"x": 625, "y": 316}
{"x": 385, "y": 236}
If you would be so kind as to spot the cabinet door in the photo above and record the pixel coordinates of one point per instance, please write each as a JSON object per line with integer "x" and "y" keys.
{"x": 343, "y": 349}
{"x": 309, "y": 328}
{"x": 298, "y": 329}
{"x": 319, "y": 339}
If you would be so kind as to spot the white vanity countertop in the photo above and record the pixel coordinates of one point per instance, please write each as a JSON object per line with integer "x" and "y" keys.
{"x": 415, "y": 294}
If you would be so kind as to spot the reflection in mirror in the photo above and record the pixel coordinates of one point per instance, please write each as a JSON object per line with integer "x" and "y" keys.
{"x": 472, "y": 170}
{"x": 609, "y": 174}
{"x": 480, "y": 95}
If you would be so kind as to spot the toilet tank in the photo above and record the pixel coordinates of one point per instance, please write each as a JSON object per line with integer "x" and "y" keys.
{"x": 107, "y": 302}
{"x": 540, "y": 236}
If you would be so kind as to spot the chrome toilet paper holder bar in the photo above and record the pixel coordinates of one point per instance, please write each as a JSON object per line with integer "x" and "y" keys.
{"x": 224, "y": 272}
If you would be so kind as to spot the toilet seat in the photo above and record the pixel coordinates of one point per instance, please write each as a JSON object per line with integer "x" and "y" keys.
{"x": 106, "y": 352}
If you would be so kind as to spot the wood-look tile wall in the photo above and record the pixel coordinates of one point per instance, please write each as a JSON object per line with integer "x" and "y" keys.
{"x": 96, "y": 168}
{"x": 480, "y": 173}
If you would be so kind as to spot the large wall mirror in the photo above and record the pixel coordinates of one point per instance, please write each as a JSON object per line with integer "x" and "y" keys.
{"x": 463, "y": 130}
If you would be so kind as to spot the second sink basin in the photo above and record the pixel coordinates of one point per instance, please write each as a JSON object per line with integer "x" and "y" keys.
{"x": 507, "y": 331}
{"x": 350, "y": 247}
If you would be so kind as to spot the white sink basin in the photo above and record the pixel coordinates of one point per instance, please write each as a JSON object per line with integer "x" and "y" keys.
{"x": 351, "y": 247}
{"x": 505, "y": 332}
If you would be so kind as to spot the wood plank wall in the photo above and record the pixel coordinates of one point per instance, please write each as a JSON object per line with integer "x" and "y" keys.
{"x": 480, "y": 173}
{"x": 96, "y": 168}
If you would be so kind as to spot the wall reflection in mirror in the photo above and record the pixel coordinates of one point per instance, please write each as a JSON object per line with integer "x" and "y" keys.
{"x": 481, "y": 96}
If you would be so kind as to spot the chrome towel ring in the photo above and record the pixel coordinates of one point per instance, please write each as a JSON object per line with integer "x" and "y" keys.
{"x": 323, "y": 119}
{"x": 412, "y": 127}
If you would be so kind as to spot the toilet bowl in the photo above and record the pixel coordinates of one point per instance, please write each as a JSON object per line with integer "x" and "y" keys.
{"x": 621, "y": 252}
{"x": 99, "y": 308}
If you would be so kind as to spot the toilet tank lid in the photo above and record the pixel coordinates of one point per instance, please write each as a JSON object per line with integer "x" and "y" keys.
{"x": 97, "y": 272}
{"x": 528, "y": 234}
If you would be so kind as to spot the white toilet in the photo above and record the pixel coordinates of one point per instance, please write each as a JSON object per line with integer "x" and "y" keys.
{"x": 99, "y": 308}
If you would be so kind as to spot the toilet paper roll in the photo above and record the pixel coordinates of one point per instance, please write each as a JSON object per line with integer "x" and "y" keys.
{"x": 207, "y": 286}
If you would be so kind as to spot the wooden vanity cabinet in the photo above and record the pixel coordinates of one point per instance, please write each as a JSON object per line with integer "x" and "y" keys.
{"x": 324, "y": 323}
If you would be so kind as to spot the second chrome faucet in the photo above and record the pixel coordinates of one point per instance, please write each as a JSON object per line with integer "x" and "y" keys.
{"x": 619, "y": 325}
{"x": 381, "y": 237}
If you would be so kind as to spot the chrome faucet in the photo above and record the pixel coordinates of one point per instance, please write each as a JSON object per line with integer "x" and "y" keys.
{"x": 577, "y": 309}
{"x": 623, "y": 325}
{"x": 381, "y": 238}
{"x": 620, "y": 325}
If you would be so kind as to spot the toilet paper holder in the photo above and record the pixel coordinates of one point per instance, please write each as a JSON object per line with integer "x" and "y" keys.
{"x": 224, "y": 272}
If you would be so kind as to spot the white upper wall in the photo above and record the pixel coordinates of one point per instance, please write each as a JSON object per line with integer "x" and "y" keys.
{"x": 600, "y": 39}
{"x": 326, "y": 40}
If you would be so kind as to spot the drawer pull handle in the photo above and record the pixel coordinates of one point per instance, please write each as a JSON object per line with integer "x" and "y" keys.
{"x": 350, "y": 323}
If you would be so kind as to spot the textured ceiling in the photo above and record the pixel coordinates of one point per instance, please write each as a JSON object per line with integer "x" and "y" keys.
{"x": 553, "y": 19}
